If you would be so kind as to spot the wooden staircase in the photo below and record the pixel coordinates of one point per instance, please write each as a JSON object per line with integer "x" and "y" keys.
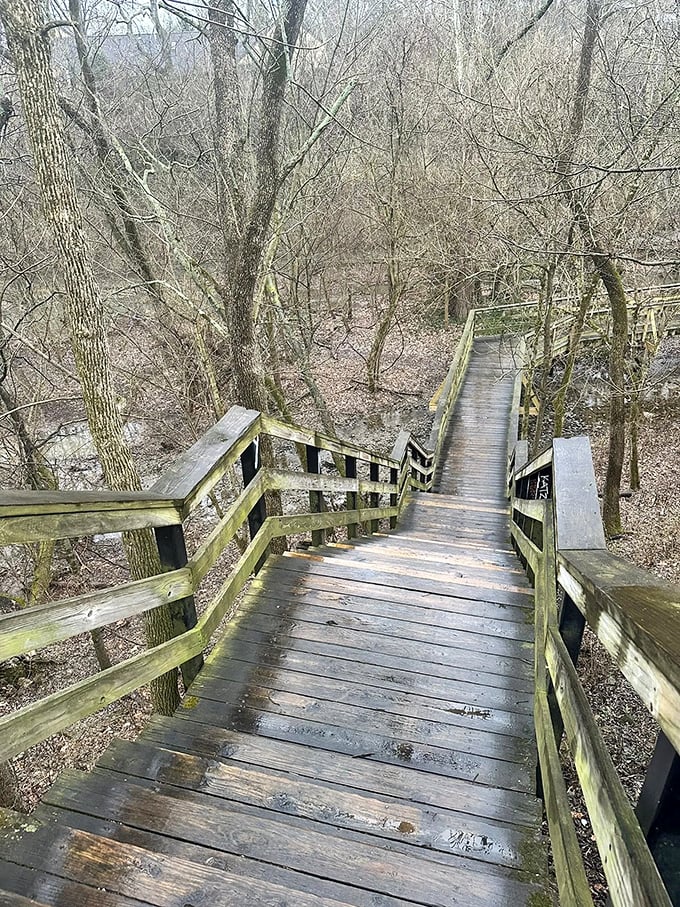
{"x": 361, "y": 734}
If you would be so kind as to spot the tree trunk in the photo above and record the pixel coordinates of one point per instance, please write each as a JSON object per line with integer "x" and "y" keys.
{"x": 611, "y": 514}
{"x": 394, "y": 291}
{"x": 245, "y": 224}
{"x": 574, "y": 343}
{"x": 83, "y": 307}
{"x": 547, "y": 357}
{"x": 609, "y": 274}
{"x": 634, "y": 461}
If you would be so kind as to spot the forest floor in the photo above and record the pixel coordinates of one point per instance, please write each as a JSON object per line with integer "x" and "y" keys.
{"x": 415, "y": 363}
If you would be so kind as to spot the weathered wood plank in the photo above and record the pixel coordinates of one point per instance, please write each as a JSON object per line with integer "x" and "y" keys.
{"x": 302, "y": 846}
{"x": 456, "y": 738}
{"x": 457, "y": 711}
{"x": 423, "y": 579}
{"x": 232, "y": 586}
{"x": 315, "y": 656}
{"x": 38, "y": 527}
{"x": 298, "y": 435}
{"x": 400, "y": 446}
{"x": 195, "y": 473}
{"x": 175, "y": 848}
{"x": 432, "y": 610}
{"x": 632, "y": 876}
{"x": 397, "y": 781}
{"x": 533, "y": 509}
{"x": 140, "y": 874}
{"x": 44, "y": 625}
{"x": 282, "y": 480}
{"x": 536, "y": 464}
{"x": 578, "y": 523}
{"x": 569, "y": 869}
{"x": 454, "y": 564}
{"x": 209, "y": 552}
{"x": 39, "y": 887}
{"x": 36, "y": 722}
{"x": 529, "y": 551}
{"x": 17, "y": 502}
{"x": 330, "y": 803}
{"x": 636, "y": 617}
{"x": 510, "y": 673}
{"x": 375, "y": 746}
{"x": 311, "y": 610}
{"x": 306, "y": 522}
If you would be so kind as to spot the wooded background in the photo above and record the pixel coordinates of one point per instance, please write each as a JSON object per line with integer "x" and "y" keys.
{"x": 192, "y": 191}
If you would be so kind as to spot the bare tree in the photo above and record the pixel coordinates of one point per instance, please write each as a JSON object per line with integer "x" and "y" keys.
{"x": 28, "y": 39}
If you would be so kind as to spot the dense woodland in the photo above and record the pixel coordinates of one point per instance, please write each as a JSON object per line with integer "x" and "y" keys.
{"x": 210, "y": 203}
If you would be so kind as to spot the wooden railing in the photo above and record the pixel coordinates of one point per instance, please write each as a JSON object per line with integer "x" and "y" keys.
{"x": 652, "y": 316}
{"x": 557, "y": 531}
{"x": 374, "y": 486}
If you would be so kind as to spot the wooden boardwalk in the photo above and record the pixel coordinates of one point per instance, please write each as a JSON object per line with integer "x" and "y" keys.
{"x": 362, "y": 734}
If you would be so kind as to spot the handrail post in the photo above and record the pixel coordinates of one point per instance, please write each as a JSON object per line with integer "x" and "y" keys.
{"x": 394, "y": 498}
{"x": 658, "y": 807}
{"x": 351, "y": 473}
{"x": 315, "y": 497}
{"x": 172, "y": 551}
{"x": 577, "y": 525}
{"x": 374, "y": 497}
{"x": 250, "y": 466}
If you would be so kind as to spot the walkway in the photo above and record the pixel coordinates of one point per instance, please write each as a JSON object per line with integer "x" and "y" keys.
{"x": 362, "y": 734}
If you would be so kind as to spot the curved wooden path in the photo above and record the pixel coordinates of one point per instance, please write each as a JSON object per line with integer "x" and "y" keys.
{"x": 361, "y": 735}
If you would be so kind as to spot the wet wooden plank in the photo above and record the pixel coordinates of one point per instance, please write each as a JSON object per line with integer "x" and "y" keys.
{"x": 198, "y": 853}
{"x": 140, "y": 874}
{"x": 411, "y": 675}
{"x": 398, "y": 624}
{"x": 487, "y": 625}
{"x": 475, "y": 665}
{"x": 398, "y": 781}
{"x": 447, "y": 564}
{"x": 298, "y": 582}
{"x": 27, "y": 887}
{"x": 375, "y": 745}
{"x": 350, "y": 690}
{"x": 410, "y": 873}
{"x": 243, "y": 699}
{"x": 414, "y": 534}
{"x": 421, "y": 580}
{"x": 442, "y": 549}
{"x": 329, "y": 802}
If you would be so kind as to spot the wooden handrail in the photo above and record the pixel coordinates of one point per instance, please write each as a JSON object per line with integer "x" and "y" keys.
{"x": 557, "y": 532}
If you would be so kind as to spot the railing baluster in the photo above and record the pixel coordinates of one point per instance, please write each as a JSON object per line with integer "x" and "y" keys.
{"x": 172, "y": 551}
{"x": 351, "y": 473}
{"x": 658, "y": 809}
{"x": 374, "y": 497}
{"x": 250, "y": 466}
{"x": 315, "y": 497}
{"x": 394, "y": 498}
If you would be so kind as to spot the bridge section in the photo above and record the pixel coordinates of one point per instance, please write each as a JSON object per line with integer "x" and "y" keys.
{"x": 362, "y": 733}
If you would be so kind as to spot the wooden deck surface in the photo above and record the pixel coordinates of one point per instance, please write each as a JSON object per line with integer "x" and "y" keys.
{"x": 362, "y": 734}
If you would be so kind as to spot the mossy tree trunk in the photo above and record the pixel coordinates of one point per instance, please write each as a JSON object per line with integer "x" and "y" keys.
{"x": 248, "y": 182}
{"x": 28, "y": 41}
{"x": 574, "y": 343}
